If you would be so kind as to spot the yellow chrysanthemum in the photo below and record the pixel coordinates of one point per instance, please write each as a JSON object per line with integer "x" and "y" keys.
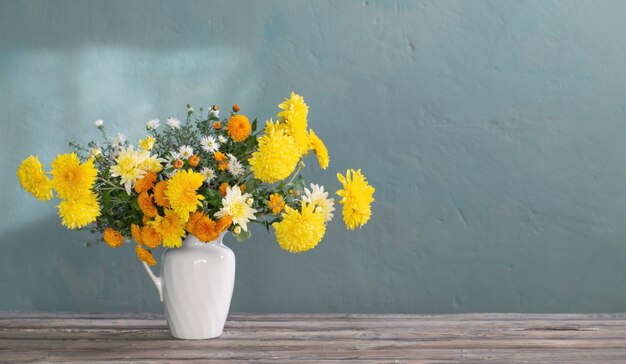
{"x": 300, "y": 230}
{"x": 144, "y": 200}
{"x": 113, "y": 237}
{"x": 147, "y": 143}
{"x": 238, "y": 127}
{"x": 33, "y": 178}
{"x": 80, "y": 211}
{"x": 150, "y": 237}
{"x": 181, "y": 192}
{"x": 152, "y": 163}
{"x": 144, "y": 255}
{"x": 357, "y": 196}
{"x": 276, "y": 157}
{"x": 171, "y": 228}
{"x": 276, "y": 203}
{"x": 70, "y": 178}
{"x": 321, "y": 152}
{"x": 130, "y": 166}
{"x": 294, "y": 115}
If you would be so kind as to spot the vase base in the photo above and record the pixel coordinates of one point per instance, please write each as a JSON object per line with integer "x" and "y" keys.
{"x": 193, "y": 337}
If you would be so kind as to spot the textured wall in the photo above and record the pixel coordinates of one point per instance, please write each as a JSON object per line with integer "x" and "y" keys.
{"x": 494, "y": 133}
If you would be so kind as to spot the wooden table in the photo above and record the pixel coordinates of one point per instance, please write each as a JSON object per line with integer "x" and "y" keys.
{"x": 316, "y": 338}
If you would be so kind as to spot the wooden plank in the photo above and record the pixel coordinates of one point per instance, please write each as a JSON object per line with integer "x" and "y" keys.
{"x": 63, "y": 337}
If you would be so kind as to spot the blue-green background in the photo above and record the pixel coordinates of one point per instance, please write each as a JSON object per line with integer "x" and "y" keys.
{"x": 494, "y": 132}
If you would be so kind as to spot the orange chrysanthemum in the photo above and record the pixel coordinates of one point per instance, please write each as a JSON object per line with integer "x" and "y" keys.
{"x": 150, "y": 237}
{"x": 159, "y": 194}
{"x": 144, "y": 255}
{"x": 222, "y": 166}
{"x": 276, "y": 203}
{"x": 146, "y": 183}
{"x": 204, "y": 229}
{"x": 239, "y": 127}
{"x": 219, "y": 156}
{"x": 217, "y": 125}
{"x": 223, "y": 188}
{"x": 113, "y": 237}
{"x": 223, "y": 223}
{"x": 144, "y": 200}
{"x": 135, "y": 231}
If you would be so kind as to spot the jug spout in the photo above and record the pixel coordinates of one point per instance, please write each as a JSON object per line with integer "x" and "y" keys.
{"x": 156, "y": 280}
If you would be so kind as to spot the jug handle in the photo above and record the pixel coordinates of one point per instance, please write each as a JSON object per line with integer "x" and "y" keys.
{"x": 156, "y": 280}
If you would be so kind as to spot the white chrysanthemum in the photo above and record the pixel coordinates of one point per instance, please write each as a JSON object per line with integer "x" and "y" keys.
{"x": 208, "y": 174}
{"x": 99, "y": 123}
{"x": 222, "y": 139}
{"x": 128, "y": 166}
{"x": 316, "y": 196}
{"x": 234, "y": 166}
{"x": 209, "y": 144}
{"x": 235, "y": 205}
{"x": 152, "y": 124}
{"x": 173, "y": 123}
{"x": 185, "y": 151}
{"x": 119, "y": 140}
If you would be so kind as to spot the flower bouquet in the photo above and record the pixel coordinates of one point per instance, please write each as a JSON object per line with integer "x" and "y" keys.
{"x": 199, "y": 178}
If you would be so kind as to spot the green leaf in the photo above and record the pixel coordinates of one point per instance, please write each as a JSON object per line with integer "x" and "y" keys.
{"x": 254, "y": 124}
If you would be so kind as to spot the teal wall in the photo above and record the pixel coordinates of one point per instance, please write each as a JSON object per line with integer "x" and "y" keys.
{"x": 494, "y": 131}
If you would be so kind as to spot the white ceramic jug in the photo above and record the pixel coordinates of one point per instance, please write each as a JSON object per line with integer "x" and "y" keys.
{"x": 196, "y": 285}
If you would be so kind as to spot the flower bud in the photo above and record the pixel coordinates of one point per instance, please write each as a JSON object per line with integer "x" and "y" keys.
{"x": 215, "y": 108}
{"x": 237, "y": 230}
{"x": 250, "y": 201}
{"x": 194, "y": 160}
{"x": 178, "y": 164}
{"x": 96, "y": 152}
{"x": 236, "y": 108}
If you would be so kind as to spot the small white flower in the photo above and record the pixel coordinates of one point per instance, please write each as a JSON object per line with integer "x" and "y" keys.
{"x": 173, "y": 123}
{"x": 174, "y": 156}
{"x": 208, "y": 174}
{"x": 99, "y": 123}
{"x": 209, "y": 144}
{"x": 215, "y": 113}
{"x": 222, "y": 139}
{"x": 152, "y": 124}
{"x": 96, "y": 152}
{"x": 250, "y": 201}
{"x": 185, "y": 151}
{"x": 234, "y": 166}
{"x": 318, "y": 197}
{"x": 119, "y": 140}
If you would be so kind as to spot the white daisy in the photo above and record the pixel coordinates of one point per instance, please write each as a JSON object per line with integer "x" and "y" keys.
{"x": 173, "y": 123}
{"x": 152, "y": 124}
{"x": 209, "y": 144}
{"x": 119, "y": 140}
{"x": 98, "y": 123}
{"x": 234, "y": 166}
{"x": 185, "y": 151}
{"x": 318, "y": 197}
{"x": 234, "y": 204}
{"x": 208, "y": 174}
{"x": 222, "y": 139}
